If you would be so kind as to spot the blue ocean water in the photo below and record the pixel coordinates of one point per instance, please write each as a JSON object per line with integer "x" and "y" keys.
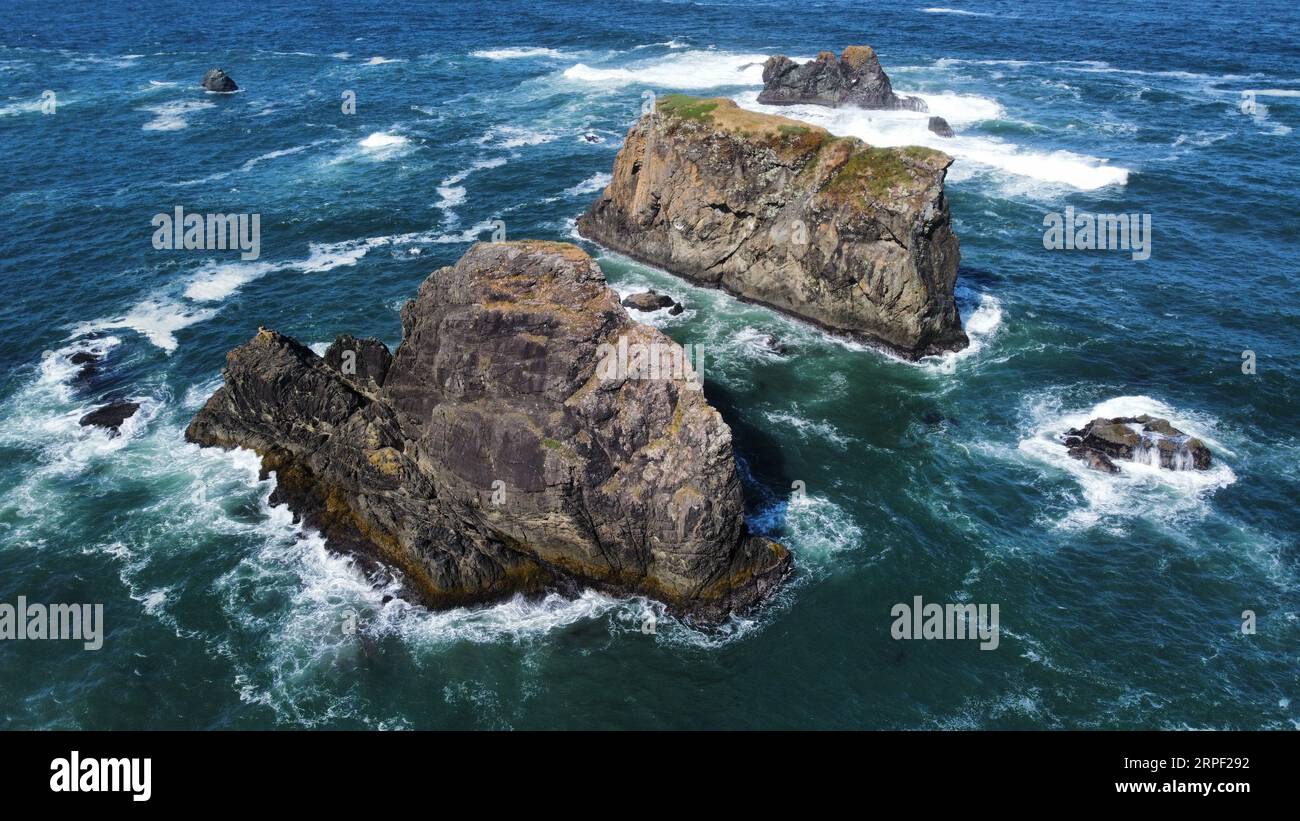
{"x": 1121, "y": 598}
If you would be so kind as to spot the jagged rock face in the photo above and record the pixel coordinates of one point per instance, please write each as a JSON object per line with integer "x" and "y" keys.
{"x": 493, "y": 455}
{"x": 1143, "y": 439}
{"x": 854, "y": 238}
{"x": 855, "y": 78}
{"x": 218, "y": 80}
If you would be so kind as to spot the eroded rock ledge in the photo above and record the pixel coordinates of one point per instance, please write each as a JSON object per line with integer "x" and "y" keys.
{"x": 853, "y": 238}
{"x": 488, "y": 455}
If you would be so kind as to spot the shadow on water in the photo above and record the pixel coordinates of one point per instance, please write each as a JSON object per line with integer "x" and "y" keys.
{"x": 981, "y": 279}
{"x": 758, "y": 454}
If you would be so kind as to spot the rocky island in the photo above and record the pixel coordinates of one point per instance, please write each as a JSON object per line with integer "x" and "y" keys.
{"x": 490, "y": 456}
{"x": 854, "y": 238}
{"x": 217, "y": 80}
{"x": 1142, "y": 439}
{"x": 855, "y": 78}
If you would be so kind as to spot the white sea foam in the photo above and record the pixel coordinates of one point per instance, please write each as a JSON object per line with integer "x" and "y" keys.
{"x": 813, "y": 526}
{"x": 273, "y": 155}
{"x": 156, "y": 319}
{"x": 522, "y": 53}
{"x": 596, "y": 182}
{"x": 450, "y": 191}
{"x": 509, "y": 136}
{"x": 693, "y": 69}
{"x": 217, "y": 280}
{"x": 982, "y": 318}
{"x": 173, "y": 116}
{"x": 962, "y": 12}
{"x": 380, "y": 142}
{"x": 29, "y": 107}
{"x": 380, "y": 61}
{"x": 808, "y": 429}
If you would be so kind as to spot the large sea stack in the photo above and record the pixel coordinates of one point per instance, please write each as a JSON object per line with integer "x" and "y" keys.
{"x": 855, "y": 78}
{"x": 492, "y": 455}
{"x": 854, "y": 238}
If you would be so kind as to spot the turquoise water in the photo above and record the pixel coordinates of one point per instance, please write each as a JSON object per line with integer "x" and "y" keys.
{"x": 1120, "y": 598}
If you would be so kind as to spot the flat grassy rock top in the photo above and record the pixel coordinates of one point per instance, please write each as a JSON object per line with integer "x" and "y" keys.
{"x": 854, "y": 166}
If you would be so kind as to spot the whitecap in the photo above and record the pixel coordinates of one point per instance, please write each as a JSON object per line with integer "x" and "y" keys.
{"x": 156, "y": 319}
{"x": 379, "y": 141}
{"x": 518, "y": 53}
{"x": 962, "y": 12}
{"x": 172, "y": 116}
{"x": 509, "y": 136}
{"x": 683, "y": 70}
{"x": 596, "y": 182}
{"x": 217, "y": 280}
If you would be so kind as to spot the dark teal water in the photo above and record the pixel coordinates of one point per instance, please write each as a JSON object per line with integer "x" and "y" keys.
{"x": 1120, "y": 598}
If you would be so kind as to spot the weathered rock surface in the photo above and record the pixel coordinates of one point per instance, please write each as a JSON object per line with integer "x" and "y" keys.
{"x": 110, "y": 416}
{"x": 854, "y": 78}
{"x": 652, "y": 301}
{"x": 853, "y": 238}
{"x": 218, "y": 80}
{"x": 940, "y": 126}
{"x": 1144, "y": 439}
{"x": 491, "y": 456}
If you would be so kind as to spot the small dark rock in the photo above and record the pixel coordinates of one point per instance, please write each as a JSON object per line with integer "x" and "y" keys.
{"x": 940, "y": 126}
{"x": 652, "y": 301}
{"x": 89, "y": 363}
{"x": 111, "y": 416}
{"x": 218, "y": 80}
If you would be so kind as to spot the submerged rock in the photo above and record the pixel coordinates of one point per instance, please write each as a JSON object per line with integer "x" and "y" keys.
{"x": 775, "y": 345}
{"x": 89, "y": 363}
{"x": 940, "y": 126}
{"x": 110, "y": 416}
{"x": 652, "y": 301}
{"x": 495, "y": 455}
{"x": 853, "y": 238}
{"x": 218, "y": 80}
{"x": 1143, "y": 439}
{"x": 855, "y": 78}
